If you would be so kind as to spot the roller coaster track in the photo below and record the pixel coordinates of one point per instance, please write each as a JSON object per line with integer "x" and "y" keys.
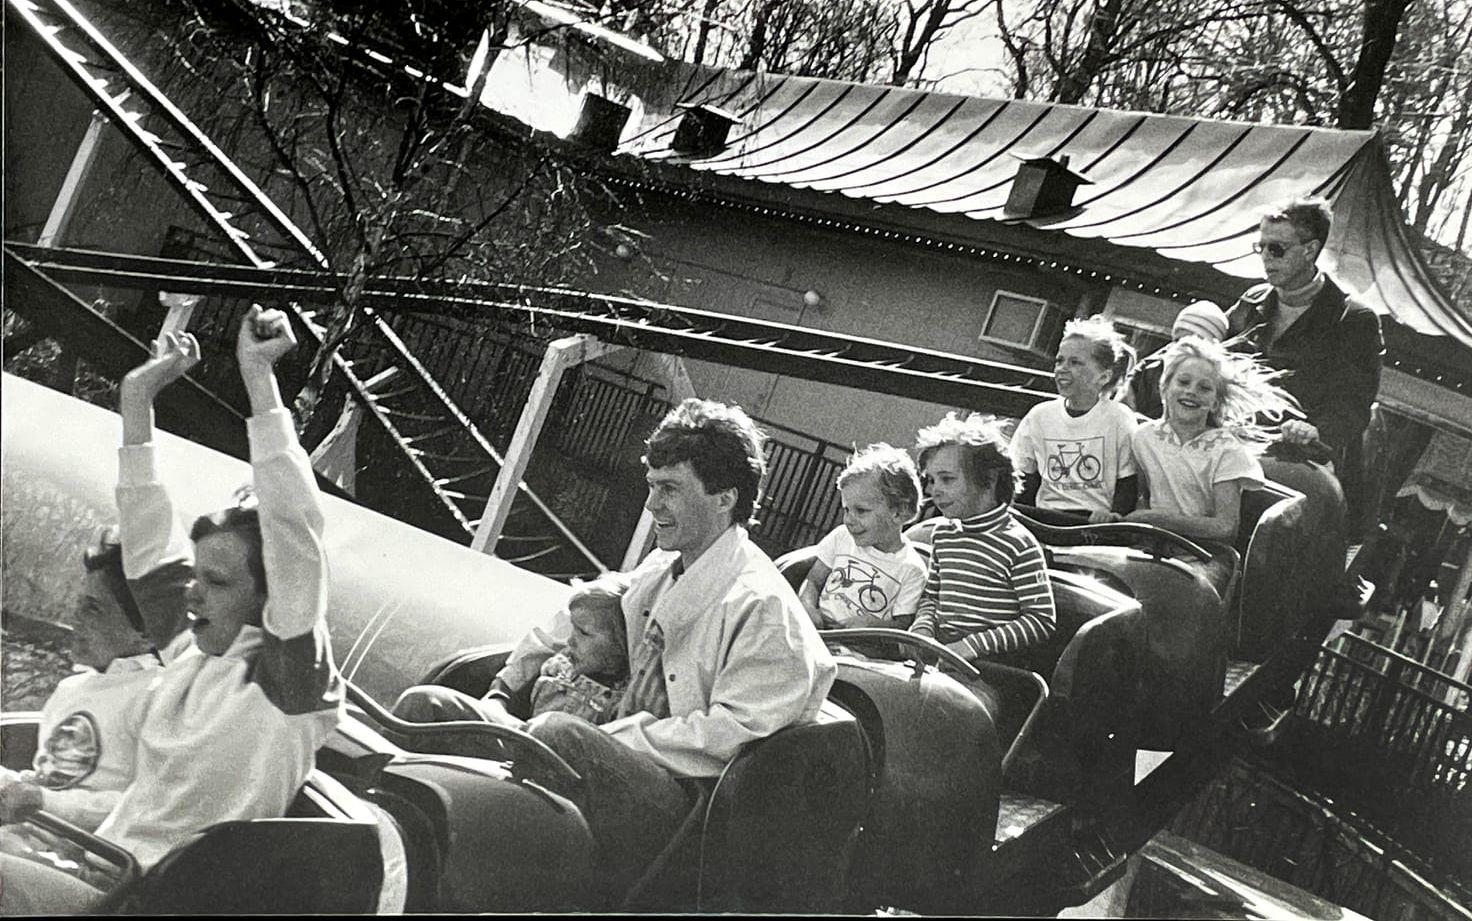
{"x": 435, "y": 436}
{"x": 833, "y": 358}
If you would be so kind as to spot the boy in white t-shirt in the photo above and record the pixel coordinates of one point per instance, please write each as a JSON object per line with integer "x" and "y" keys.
{"x": 866, "y": 573}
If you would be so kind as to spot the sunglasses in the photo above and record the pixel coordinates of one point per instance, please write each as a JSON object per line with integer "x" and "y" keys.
{"x": 1275, "y": 249}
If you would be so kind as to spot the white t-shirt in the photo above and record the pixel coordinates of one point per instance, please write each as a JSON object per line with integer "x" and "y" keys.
{"x": 866, "y": 580}
{"x": 1079, "y": 458}
{"x": 1181, "y": 477}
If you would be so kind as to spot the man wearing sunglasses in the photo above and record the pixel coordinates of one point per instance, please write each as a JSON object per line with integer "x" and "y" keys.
{"x": 1301, "y": 321}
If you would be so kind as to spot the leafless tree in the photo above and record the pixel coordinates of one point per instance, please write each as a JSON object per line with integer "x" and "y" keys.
{"x": 390, "y": 175}
{"x": 1398, "y": 66}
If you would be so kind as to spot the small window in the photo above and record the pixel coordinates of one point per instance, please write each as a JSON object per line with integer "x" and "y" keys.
{"x": 1021, "y": 320}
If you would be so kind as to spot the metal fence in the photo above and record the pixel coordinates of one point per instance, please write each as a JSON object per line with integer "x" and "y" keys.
{"x": 1392, "y": 739}
{"x": 1252, "y": 816}
{"x": 592, "y": 441}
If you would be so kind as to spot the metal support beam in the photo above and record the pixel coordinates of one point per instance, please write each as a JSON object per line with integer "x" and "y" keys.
{"x": 60, "y": 218}
{"x": 561, "y": 355}
{"x": 677, "y": 384}
{"x": 71, "y": 187}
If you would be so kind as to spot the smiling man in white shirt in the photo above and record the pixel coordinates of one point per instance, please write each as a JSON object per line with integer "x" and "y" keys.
{"x": 720, "y": 649}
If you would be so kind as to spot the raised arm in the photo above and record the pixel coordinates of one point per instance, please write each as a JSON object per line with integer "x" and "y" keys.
{"x": 150, "y": 531}
{"x": 296, "y": 669}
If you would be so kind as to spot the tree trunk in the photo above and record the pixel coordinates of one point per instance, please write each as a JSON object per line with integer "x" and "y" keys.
{"x": 756, "y": 46}
{"x": 1102, "y": 28}
{"x": 917, "y": 40}
{"x": 1382, "y": 23}
{"x": 1439, "y": 176}
{"x": 702, "y": 32}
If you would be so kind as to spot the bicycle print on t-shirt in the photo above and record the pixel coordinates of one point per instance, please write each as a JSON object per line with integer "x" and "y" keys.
{"x": 1074, "y": 464}
{"x": 861, "y": 587}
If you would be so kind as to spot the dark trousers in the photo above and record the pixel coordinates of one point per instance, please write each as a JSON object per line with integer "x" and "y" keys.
{"x": 633, "y": 805}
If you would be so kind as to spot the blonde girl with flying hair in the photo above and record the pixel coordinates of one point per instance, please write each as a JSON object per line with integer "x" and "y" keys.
{"x": 1195, "y": 461}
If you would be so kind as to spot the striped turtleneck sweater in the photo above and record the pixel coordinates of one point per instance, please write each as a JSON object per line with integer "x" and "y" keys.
{"x": 988, "y": 590}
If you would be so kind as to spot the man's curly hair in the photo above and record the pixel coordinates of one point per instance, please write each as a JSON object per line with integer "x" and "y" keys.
{"x": 723, "y": 446}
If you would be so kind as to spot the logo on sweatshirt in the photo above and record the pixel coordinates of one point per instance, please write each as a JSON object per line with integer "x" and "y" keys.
{"x": 71, "y": 752}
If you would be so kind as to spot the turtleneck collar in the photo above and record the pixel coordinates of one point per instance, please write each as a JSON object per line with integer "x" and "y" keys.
{"x": 1302, "y": 296}
{"x": 988, "y": 520}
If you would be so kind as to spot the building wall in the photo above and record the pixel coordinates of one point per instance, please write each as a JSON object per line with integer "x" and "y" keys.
{"x": 728, "y": 261}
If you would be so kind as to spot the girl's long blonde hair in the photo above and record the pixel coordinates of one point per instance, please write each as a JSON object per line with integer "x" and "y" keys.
{"x": 1247, "y": 389}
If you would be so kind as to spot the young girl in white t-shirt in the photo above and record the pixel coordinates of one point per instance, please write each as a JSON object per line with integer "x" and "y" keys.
{"x": 1196, "y": 461}
{"x": 867, "y": 574}
{"x": 1074, "y": 452}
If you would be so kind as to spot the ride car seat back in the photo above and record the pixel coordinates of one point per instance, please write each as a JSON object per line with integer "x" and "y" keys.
{"x": 937, "y": 784}
{"x": 478, "y": 839}
{"x": 1256, "y": 500}
{"x": 1294, "y": 565}
{"x": 323, "y": 858}
{"x": 796, "y": 564}
{"x": 1081, "y": 748}
{"x": 469, "y": 670}
{"x": 783, "y": 817}
{"x": 19, "y": 735}
{"x": 1184, "y": 665}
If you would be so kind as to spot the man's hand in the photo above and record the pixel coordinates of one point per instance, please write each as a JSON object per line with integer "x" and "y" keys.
{"x": 1299, "y": 432}
{"x": 265, "y": 336}
{"x": 18, "y": 798}
{"x": 174, "y": 354}
{"x": 1098, "y": 516}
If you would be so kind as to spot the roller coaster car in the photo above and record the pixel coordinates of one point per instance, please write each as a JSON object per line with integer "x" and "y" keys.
{"x": 1214, "y": 613}
{"x": 322, "y": 857}
{"x": 994, "y": 746}
{"x": 952, "y": 788}
{"x": 772, "y": 833}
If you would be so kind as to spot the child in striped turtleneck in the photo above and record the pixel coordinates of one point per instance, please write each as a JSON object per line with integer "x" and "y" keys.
{"x": 988, "y": 590}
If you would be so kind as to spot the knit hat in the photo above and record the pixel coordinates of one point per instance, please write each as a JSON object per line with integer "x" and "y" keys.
{"x": 1202, "y": 318}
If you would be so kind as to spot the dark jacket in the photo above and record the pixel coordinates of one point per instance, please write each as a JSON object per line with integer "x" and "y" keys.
{"x": 1145, "y": 386}
{"x": 1334, "y": 352}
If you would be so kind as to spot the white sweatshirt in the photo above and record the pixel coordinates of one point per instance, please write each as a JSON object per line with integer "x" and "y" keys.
{"x": 232, "y": 736}
{"x": 89, "y": 734}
